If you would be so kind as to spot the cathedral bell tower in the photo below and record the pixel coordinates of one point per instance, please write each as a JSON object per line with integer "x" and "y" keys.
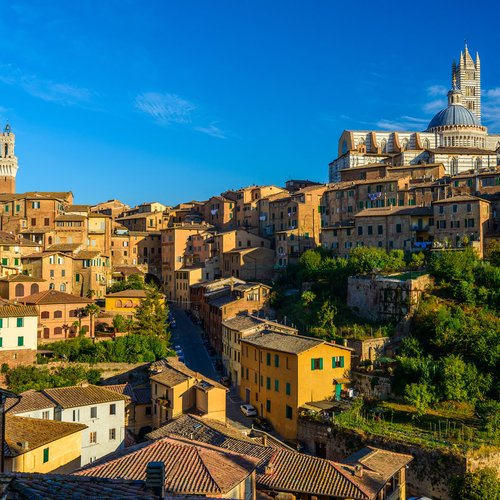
{"x": 8, "y": 161}
{"x": 468, "y": 77}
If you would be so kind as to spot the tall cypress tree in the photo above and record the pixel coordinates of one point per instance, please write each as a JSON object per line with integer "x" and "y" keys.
{"x": 151, "y": 315}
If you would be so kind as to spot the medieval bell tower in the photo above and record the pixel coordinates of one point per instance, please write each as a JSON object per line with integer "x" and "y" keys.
{"x": 468, "y": 77}
{"x": 8, "y": 162}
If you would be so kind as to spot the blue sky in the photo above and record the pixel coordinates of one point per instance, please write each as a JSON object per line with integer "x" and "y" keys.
{"x": 178, "y": 100}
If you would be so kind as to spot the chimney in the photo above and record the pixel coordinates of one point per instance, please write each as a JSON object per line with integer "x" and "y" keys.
{"x": 24, "y": 445}
{"x": 155, "y": 478}
{"x": 264, "y": 440}
{"x": 344, "y": 341}
{"x": 358, "y": 470}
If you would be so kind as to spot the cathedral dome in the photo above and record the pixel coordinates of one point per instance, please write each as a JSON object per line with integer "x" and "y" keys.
{"x": 454, "y": 114}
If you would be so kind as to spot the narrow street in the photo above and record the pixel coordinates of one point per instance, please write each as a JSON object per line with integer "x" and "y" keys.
{"x": 189, "y": 337}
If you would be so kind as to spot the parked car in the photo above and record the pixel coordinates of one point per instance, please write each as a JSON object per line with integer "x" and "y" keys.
{"x": 262, "y": 424}
{"x": 248, "y": 410}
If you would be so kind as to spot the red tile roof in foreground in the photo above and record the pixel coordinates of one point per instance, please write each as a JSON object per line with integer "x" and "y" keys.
{"x": 190, "y": 467}
{"x": 55, "y": 297}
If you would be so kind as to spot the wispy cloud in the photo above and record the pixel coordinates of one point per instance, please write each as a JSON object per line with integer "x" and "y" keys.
{"x": 434, "y": 105}
{"x": 212, "y": 130}
{"x": 165, "y": 108}
{"x": 61, "y": 93}
{"x": 436, "y": 90}
{"x": 402, "y": 123}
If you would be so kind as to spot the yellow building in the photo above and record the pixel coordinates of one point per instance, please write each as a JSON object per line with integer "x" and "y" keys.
{"x": 281, "y": 372}
{"x": 124, "y": 302}
{"x": 40, "y": 445}
{"x": 175, "y": 389}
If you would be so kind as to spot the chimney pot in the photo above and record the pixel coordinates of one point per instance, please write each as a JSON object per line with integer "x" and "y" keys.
{"x": 155, "y": 478}
{"x": 358, "y": 470}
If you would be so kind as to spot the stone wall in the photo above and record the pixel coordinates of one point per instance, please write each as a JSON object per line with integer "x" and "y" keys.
{"x": 428, "y": 474}
{"x": 17, "y": 357}
{"x": 385, "y": 298}
{"x": 367, "y": 349}
{"x": 372, "y": 386}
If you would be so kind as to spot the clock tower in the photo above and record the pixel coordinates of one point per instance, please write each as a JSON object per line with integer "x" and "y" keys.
{"x": 8, "y": 161}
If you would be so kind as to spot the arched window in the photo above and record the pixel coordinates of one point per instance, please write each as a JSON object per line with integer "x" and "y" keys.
{"x": 454, "y": 166}
{"x": 45, "y": 315}
{"x": 118, "y": 303}
{"x": 361, "y": 146}
{"x": 62, "y": 287}
{"x": 383, "y": 146}
{"x": 46, "y": 333}
{"x": 128, "y": 303}
{"x": 34, "y": 288}
{"x": 57, "y": 314}
{"x": 57, "y": 330}
{"x": 51, "y": 286}
{"x": 404, "y": 144}
{"x": 6, "y": 150}
{"x": 19, "y": 290}
{"x": 426, "y": 143}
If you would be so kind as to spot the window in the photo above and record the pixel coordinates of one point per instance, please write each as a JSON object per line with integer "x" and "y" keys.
{"x": 288, "y": 412}
{"x": 268, "y": 359}
{"x": 112, "y": 409}
{"x": 360, "y": 230}
{"x": 398, "y": 228}
{"x": 380, "y": 229}
{"x": 112, "y": 434}
{"x": 57, "y": 314}
{"x": 46, "y": 415}
{"x": 35, "y": 204}
{"x": 268, "y": 383}
{"x": 268, "y": 405}
{"x": 338, "y": 362}
{"x": 276, "y": 360}
{"x": 288, "y": 389}
{"x": 370, "y": 230}
{"x": 1, "y": 342}
{"x": 20, "y": 341}
{"x": 20, "y": 322}
{"x": 454, "y": 208}
{"x": 93, "y": 412}
{"x": 1, "y": 322}
{"x": 316, "y": 363}
{"x": 148, "y": 410}
{"x": 93, "y": 437}
{"x": 76, "y": 415}
{"x": 277, "y": 385}
{"x": 441, "y": 209}
{"x": 45, "y": 455}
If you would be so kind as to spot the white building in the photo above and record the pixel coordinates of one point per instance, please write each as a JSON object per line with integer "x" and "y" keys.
{"x": 101, "y": 410}
{"x": 18, "y": 333}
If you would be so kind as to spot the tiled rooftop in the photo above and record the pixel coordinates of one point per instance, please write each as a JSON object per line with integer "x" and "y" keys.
{"x": 58, "y": 487}
{"x": 15, "y": 310}
{"x": 190, "y": 468}
{"x": 283, "y": 342}
{"x": 71, "y": 397}
{"x": 55, "y": 297}
{"x": 30, "y": 401}
{"x": 21, "y": 278}
{"x": 35, "y": 432}
{"x": 242, "y": 322}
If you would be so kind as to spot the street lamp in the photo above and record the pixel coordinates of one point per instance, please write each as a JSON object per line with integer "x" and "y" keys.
{"x": 4, "y": 395}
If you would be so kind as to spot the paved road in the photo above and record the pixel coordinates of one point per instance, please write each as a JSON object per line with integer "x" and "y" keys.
{"x": 196, "y": 357}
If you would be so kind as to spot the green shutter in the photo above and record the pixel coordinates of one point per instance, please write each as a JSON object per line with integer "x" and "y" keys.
{"x": 45, "y": 455}
{"x": 312, "y": 364}
{"x": 20, "y": 341}
{"x": 334, "y": 365}
{"x": 20, "y": 322}
{"x": 320, "y": 363}
{"x": 268, "y": 359}
{"x": 268, "y": 383}
{"x": 277, "y": 385}
{"x": 341, "y": 361}
{"x": 1, "y": 322}
{"x": 1, "y": 342}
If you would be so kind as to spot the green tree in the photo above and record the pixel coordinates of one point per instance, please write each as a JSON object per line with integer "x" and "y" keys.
{"x": 120, "y": 324}
{"x": 151, "y": 315}
{"x": 482, "y": 484}
{"x": 133, "y": 282}
{"x": 92, "y": 310}
{"x": 419, "y": 395}
{"x": 417, "y": 260}
{"x": 308, "y": 298}
{"x": 366, "y": 260}
{"x": 452, "y": 265}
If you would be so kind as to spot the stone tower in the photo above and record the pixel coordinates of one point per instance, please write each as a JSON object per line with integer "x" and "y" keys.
{"x": 468, "y": 77}
{"x": 8, "y": 162}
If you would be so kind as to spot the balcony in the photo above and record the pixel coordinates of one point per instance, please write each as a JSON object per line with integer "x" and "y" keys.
{"x": 419, "y": 228}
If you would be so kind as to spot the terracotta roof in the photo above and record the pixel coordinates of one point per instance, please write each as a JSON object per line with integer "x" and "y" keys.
{"x": 141, "y": 294}
{"x": 71, "y": 217}
{"x": 242, "y": 322}
{"x": 190, "y": 468}
{"x": 9, "y": 309}
{"x": 462, "y": 151}
{"x": 55, "y": 297}
{"x": 58, "y": 486}
{"x": 87, "y": 254}
{"x": 78, "y": 208}
{"x": 394, "y": 211}
{"x": 214, "y": 433}
{"x": 300, "y": 473}
{"x": 128, "y": 270}
{"x": 22, "y": 278}
{"x": 138, "y": 395}
{"x": 30, "y": 401}
{"x": 383, "y": 462}
{"x": 171, "y": 372}
{"x": 71, "y": 397}
{"x": 35, "y": 432}
{"x": 461, "y": 198}
{"x": 283, "y": 342}
{"x": 123, "y": 389}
